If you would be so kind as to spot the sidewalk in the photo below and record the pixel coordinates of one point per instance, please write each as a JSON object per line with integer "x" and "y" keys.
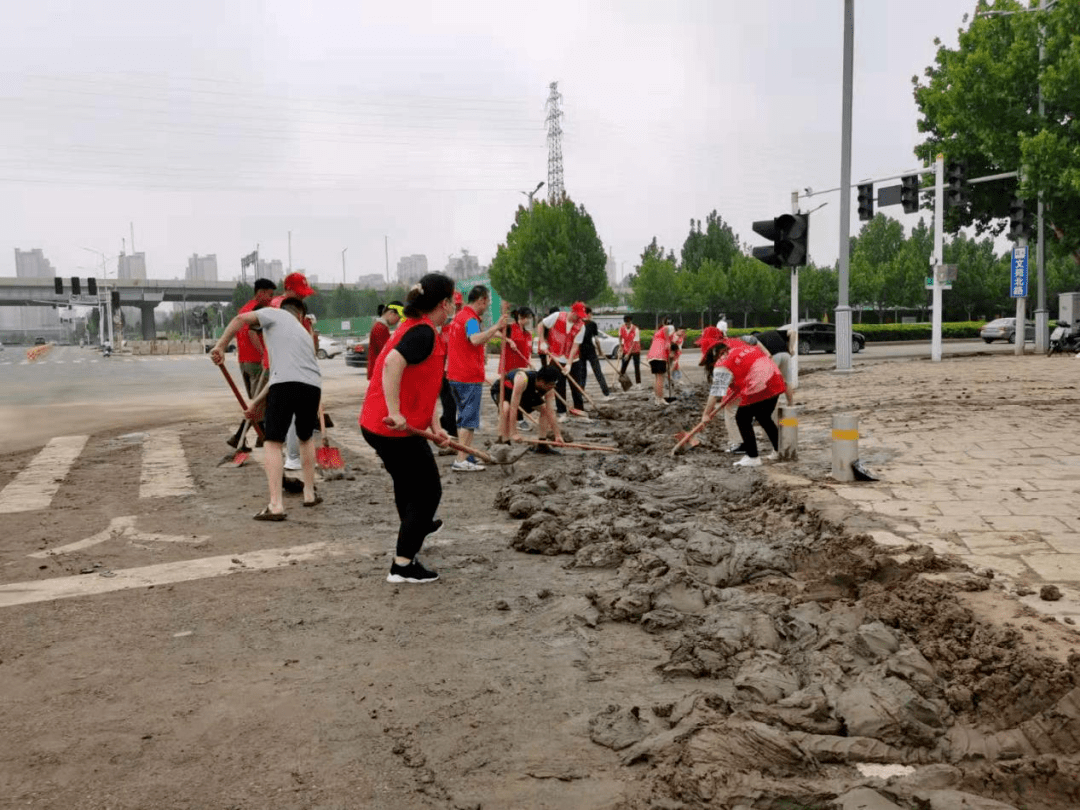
{"x": 977, "y": 457}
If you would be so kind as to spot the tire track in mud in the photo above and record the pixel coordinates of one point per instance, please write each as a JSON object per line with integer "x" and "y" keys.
{"x": 805, "y": 650}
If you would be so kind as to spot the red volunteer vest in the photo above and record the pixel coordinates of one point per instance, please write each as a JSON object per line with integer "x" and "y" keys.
{"x": 465, "y": 362}
{"x": 660, "y": 348}
{"x": 420, "y": 386}
{"x": 630, "y": 339}
{"x": 377, "y": 339}
{"x": 245, "y": 349}
{"x": 523, "y": 341}
{"x": 754, "y": 376}
{"x": 560, "y": 337}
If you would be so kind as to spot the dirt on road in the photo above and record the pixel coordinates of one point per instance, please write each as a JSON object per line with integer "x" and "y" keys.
{"x": 620, "y": 631}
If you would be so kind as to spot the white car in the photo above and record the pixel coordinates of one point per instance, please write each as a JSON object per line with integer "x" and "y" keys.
{"x": 608, "y": 344}
{"x": 328, "y": 347}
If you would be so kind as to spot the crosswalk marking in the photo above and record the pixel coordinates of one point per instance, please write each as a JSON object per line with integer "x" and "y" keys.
{"x": 35, "y": 486}
{"x": 165, "y": 471}
{"x": 120, "y": 527}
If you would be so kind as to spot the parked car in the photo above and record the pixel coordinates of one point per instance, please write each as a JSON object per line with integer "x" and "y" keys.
{"x": 608, "y": 344}
{"x": 328, "y": 347}
{"x": 356, "y": 356}
{"x": 40, "y": 341}
{"x": 821, "y": 337}
{"x": 1005, "y": 329}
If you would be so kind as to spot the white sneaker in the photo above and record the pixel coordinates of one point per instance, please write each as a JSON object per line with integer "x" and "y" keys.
{"x": 606, "y": 398}
{"x": 293, "y": 465}
{"x": 746, "y": 461}
{"x": 660, "y": 402}
{"x": 562, "y": 417}
{"x": 524, "y": 426}
{"x": 467, "y": 466}
{"x": 773, "y": 456}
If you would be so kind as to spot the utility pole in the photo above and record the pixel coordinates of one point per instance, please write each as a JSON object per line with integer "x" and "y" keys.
{"x": 290, "y": 251}
{"x": 343, "y": 265}
{"x": 1042, "y": 314}
{"x": 938, "y": 257}
{"x": 132, "y": 224}
{"x": 793, "y": 339}
{"x": 554, "y": 138}
{"x": 843, "y": 311}
{"x": 386, "y": 250}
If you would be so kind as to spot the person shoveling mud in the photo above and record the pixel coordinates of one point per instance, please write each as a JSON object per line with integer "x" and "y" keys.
{"x": 526, "y": 391}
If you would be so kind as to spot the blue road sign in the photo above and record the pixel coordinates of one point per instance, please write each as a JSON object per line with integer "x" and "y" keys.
{"x": 1018, "y": 284}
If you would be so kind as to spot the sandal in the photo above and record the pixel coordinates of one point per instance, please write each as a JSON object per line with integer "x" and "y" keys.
{"x": 315, "y": 502}
{"x": 266, "y": 514}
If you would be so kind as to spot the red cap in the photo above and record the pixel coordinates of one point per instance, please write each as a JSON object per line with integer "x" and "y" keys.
{"x": 297, "y": 283}
{"x": 578, "y": 309}
{"x": 710, "y": 336}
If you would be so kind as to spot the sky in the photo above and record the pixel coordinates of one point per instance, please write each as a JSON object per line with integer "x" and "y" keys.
{"x": 414, "y": 127}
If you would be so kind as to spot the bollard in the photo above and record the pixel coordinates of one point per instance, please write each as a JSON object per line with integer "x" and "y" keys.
{"x": 789, "y": 433}
{"x": 845, "y": 446}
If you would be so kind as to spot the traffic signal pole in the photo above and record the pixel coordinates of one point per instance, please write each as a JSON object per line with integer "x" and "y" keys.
{"x": 793, "y": 337}
{"x": 938, "y": 257}
{"x": 843, "y": 310}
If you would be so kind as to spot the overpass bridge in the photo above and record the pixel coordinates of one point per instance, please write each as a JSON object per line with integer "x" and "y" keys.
{"x": 145, "y": 295}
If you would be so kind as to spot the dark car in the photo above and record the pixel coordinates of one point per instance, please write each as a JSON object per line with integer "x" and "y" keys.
{"x": 821, "y": 337}
{"x": 356, "y": 355}
{"x": 39, "y": 341}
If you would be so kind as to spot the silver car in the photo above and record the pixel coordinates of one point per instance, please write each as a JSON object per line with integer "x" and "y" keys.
{"x": 1005, "y": 329}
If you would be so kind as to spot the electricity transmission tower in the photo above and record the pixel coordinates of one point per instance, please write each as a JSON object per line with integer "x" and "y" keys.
{"x": 554, "y": 137}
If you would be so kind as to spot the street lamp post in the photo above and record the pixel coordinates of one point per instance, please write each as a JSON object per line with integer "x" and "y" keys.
{"x": 343, "y": 265}
{"x": 108, "y": 297}
{"x": 532, "y": 193}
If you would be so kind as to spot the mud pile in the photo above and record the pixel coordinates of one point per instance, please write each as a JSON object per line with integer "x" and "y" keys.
{"x": 808, "y": 655}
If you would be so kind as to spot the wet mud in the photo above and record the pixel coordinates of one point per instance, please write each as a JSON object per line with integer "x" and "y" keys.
{"x": 818, "y": 670}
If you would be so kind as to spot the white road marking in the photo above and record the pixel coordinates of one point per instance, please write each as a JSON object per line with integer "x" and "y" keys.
{"x": 47, "y": 590}
{"x": 165, "y": 470}
{"x": 35, "y": 486}
{"x": 120, "y": 527}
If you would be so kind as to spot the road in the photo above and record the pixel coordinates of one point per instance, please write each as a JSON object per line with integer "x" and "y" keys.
{"x": 71, "y": 389}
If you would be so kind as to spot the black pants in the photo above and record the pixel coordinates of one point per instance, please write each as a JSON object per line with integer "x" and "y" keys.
{"x": 598, "y": 373}
{"x": 636, "y": 357}
{"x": 448, "y": 420}
{"x": 417, "y": 487}
{"x": 762, "y": 412}
{"x": 577, "y": 371}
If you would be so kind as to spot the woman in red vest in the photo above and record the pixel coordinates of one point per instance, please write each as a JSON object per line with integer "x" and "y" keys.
{"x": 389, "y": 318}
{"x": 403, "y": 390}
{"x": 630, "y": 341}
{"x": 519, "y": 340}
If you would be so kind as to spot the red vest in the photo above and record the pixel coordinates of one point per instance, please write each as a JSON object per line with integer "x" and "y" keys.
{"x": 420, "y": 386}
{"x": 754, "y": 376}
{"x": 246, "y": 352}
{"x": 560, "y": 337}
{"x": 660, "y": 349}
{"x": 465, "y": 361}
{"x": 380, "y": 334}
{"x": 630, "y": 337}
{"x": 523, "y": 341}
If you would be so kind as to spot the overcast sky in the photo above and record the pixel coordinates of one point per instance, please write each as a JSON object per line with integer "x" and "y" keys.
{"x": 216, "y": 126}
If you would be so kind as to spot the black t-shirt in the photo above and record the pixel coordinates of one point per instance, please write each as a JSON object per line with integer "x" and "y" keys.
{"x": 773, "y": 340}
{"x": 531, "y": 398}
{"x": 588, "y": 348}
{"x": 417, "y": 344}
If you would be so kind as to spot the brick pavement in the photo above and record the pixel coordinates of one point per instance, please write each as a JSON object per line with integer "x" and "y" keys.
{"x": 978, "y": 457}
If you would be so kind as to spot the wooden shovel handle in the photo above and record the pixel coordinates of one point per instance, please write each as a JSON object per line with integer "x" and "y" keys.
{"x": 240, "y": 398}
{"x": 427, "y": 434}
{"x": 578, "y": 446}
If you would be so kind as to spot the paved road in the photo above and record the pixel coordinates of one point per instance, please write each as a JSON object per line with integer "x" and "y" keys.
{"x": 72, "y": 389}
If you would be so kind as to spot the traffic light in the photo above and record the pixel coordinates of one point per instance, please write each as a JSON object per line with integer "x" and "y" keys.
{"x": 58, "y": 285}
{"x": 866, "y": 202}
{"x": 115, "y": 298}
{"x": 909, "y": 193}
{"x": 789, "y": 234}
{"x": 956, "y": 186}
{"x": 1019, "y": 226}
{"x": 76, "y": 287}
{"x": 91, "y": 286}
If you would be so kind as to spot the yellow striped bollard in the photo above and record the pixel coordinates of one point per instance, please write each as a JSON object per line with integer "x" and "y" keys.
{"x": 845, "y": 446}
{"x": 789, "y": 433}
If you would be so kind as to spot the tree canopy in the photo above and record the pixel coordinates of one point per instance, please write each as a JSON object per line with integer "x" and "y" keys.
{"x": 979, "y": 103}
{"x": 552, "y": 255}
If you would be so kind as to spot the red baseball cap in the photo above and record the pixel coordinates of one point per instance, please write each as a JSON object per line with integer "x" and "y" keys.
{"x": 710, "y": 336}
{"x": 578, "y": 309}
{"x": 297, "y": 283}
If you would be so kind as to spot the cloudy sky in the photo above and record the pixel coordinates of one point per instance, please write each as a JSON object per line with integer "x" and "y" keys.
{"x": 216, "y": 126}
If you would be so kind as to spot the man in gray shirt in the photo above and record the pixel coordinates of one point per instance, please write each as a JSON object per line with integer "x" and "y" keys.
{"x": 294, "y": 391}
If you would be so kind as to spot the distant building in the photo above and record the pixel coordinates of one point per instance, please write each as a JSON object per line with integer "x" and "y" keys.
{"x": 131, "y": 267}
{"x": 411, "y": 268}
{"x": 372, "y": 281}
{"x": 463, "y": 266}
{"x": 32, "y": 264}
{"x": 202, "y": 268}
{"x": 273, "y": 270}
{"x": 611, "y": 269}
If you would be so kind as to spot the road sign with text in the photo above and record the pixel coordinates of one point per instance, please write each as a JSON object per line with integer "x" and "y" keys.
{"x": 1018, "y": 284}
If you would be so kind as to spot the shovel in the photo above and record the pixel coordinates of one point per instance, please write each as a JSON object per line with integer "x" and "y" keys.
{"x": 327, "y": 457}
{"x": 624, "y": 380}
{"x": 240, "y": 456}
{"x": 464, "y": 448}
{"x": 578, "y": 446}
{"x": 689, "y": 437}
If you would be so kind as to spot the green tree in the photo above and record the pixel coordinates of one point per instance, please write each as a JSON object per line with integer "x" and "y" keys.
{"x": 979, "y": 102}
{"x": 655, "y": 285}
{"x": 877, "y": 269}
{"x": 818, "y": 292}
{"x": 754, "y": 288}
{"x": 982, "y": 281}
{"x": 552, "y": 255}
